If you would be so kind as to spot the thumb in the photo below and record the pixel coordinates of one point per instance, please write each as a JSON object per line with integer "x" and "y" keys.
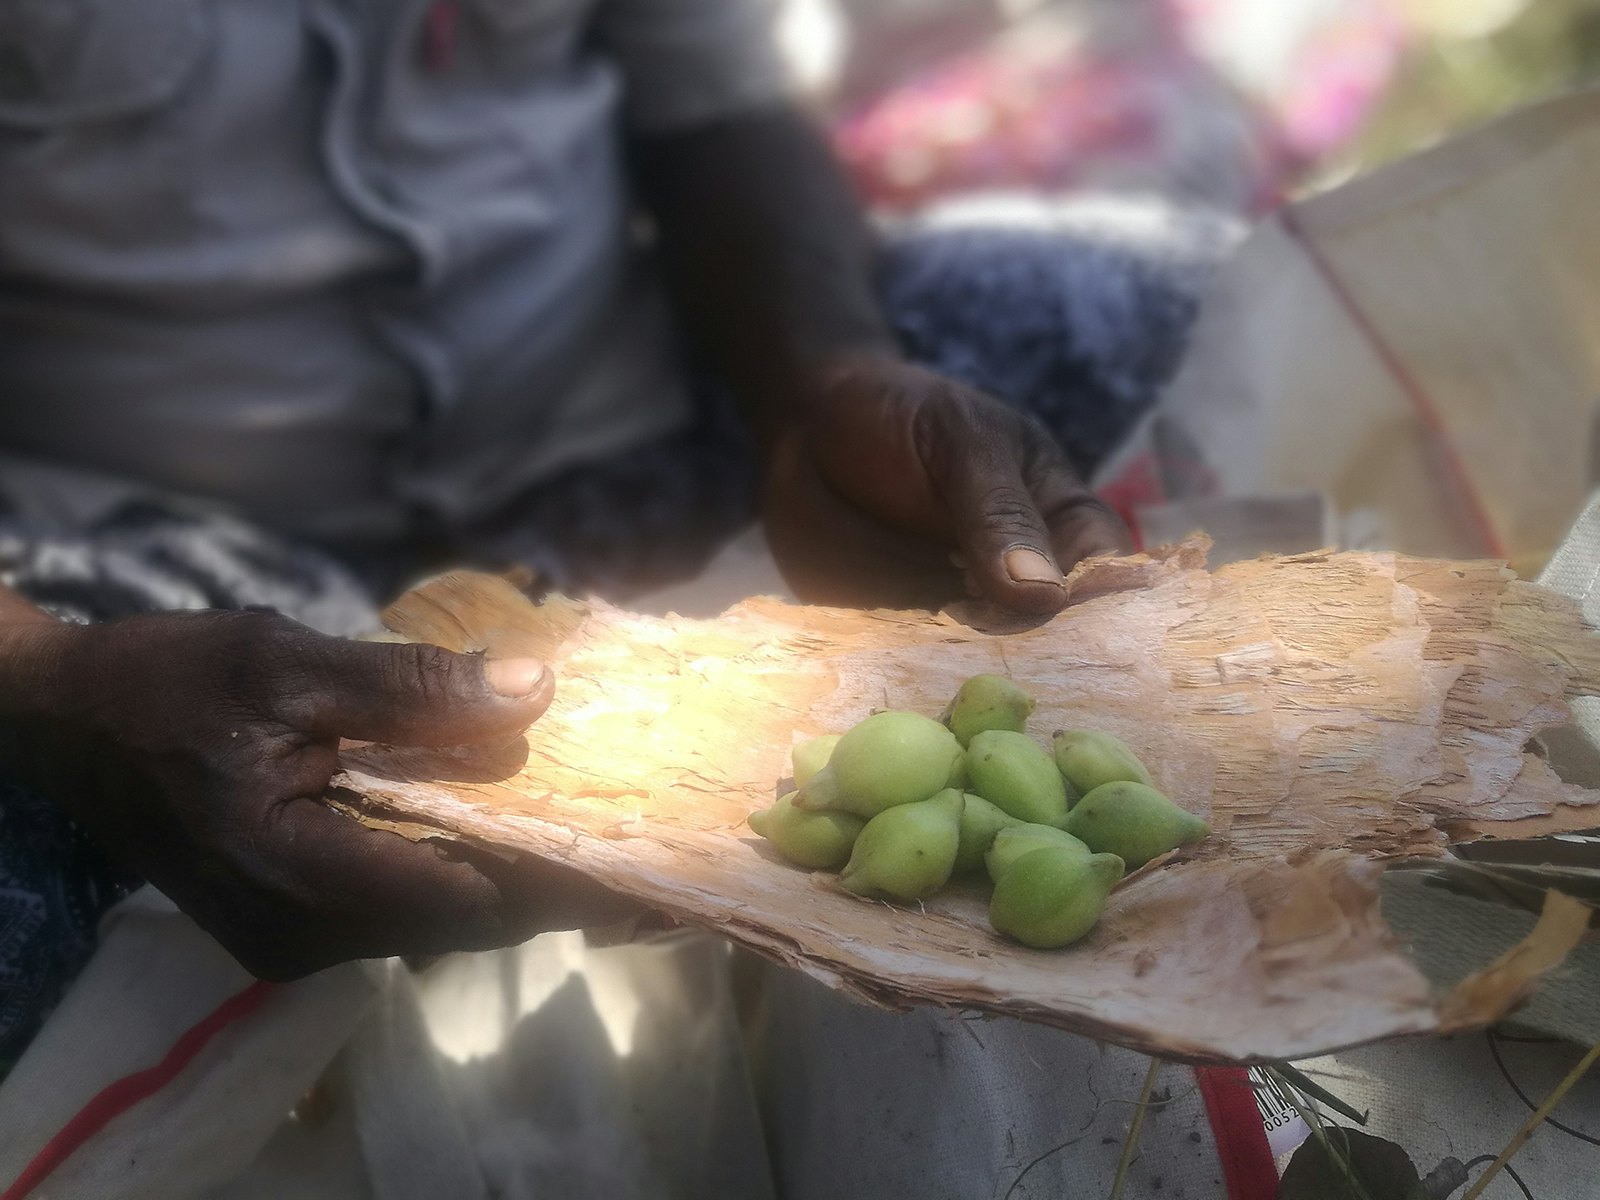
{"x": 413, "y": 694}
{"x": 996, "y": 523}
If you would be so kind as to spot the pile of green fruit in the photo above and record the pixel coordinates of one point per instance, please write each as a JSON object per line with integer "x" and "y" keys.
{"x": 902, "y": 803}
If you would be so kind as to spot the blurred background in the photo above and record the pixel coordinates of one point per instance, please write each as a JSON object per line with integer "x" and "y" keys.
{"x": 1229, "y": 103}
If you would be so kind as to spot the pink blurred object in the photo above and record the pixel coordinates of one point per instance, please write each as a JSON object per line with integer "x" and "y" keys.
{"x": 1344, "y": 73}
{"x": 1132, "y": 100}
{"x": 1058, "y": 113}
{"x": 1315, "y": 70}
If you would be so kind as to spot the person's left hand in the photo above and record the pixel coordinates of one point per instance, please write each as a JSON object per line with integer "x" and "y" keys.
{"x": 905, "y": 489}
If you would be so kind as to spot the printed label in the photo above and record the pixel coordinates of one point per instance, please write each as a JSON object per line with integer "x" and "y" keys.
{"x": 1285, "y": 1127}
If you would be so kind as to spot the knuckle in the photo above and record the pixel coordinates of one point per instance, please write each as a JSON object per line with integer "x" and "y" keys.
{"x": 960, "y": 429}
{"x": 428, "y": 674}
{"x": 1005, "y": 506}
{"x": 265, "y": 636}
{"x": 265, "y": 651}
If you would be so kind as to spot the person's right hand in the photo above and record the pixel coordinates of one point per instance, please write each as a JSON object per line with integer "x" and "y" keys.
{"x": 195, "y": 748}
{"x": 894, "y": 485}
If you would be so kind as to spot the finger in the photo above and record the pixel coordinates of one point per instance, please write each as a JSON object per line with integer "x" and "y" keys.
{"x": 405, "y": 694}
{"x": 362, "y": 893}
{"x": 1081, "y": 524}
{"x": 1083, "y": 527}
{"x": 977, "y": 467}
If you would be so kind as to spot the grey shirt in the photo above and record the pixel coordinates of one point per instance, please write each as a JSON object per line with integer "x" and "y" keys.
{"x": 334, "y": 260}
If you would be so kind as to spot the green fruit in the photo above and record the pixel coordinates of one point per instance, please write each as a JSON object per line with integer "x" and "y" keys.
{"x": 988, "y": 702}
{"x": 821, "y": 839}
{"x": 1088, "y": 758}
{"x": 1051, "y": 896}
{"x": 1134, "y": 821}
{"x": 891, "y": 758}
{"x": 907, "y": 851}
{"x": 959, "y": 777}
{"x": 980, "y": 822}
{"x": 1021, "y": 838}
{"x": 1009, "y": 770}
{"x": 810, "y": 757}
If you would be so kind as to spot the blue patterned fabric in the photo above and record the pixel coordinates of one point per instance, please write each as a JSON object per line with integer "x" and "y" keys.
{"x": 1077, "y": 324}
{"x": 1077, "y": 314}
{"x": 54, "y": 885}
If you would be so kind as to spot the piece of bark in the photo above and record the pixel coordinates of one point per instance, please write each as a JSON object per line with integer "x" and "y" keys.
{"x": 1323, "y": 711}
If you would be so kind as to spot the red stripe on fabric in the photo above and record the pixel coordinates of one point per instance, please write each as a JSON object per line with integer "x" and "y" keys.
{"x": 117, "y": 1097}
{"x": 1455, "y": 470}
{"x": 1241, "y": 1138}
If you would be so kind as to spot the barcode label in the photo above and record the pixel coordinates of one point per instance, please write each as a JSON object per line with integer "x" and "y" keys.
{"x": 1285, "y": 1128}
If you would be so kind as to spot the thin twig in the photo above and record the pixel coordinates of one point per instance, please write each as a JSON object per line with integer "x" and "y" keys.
{"x": 1135, "y": 1128}
{"x": 1533, "y": 1121}
{"x": 1509, "y": 1169}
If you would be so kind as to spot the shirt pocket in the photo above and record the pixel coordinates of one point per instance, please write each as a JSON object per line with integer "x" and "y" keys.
{"x": 66, "y": 62}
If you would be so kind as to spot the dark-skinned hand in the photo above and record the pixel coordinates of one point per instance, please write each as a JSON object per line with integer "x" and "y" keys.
{"x": 904, "y": 489}
{"x": 195, "y": 748}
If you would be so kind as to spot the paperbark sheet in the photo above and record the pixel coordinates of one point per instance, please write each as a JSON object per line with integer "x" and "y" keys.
{"x": 1324, "y": 712}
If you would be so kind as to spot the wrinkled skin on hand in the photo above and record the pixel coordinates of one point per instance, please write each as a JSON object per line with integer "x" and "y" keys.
{"x": 195, "y": 747}
{"x": 905, "y": 489}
